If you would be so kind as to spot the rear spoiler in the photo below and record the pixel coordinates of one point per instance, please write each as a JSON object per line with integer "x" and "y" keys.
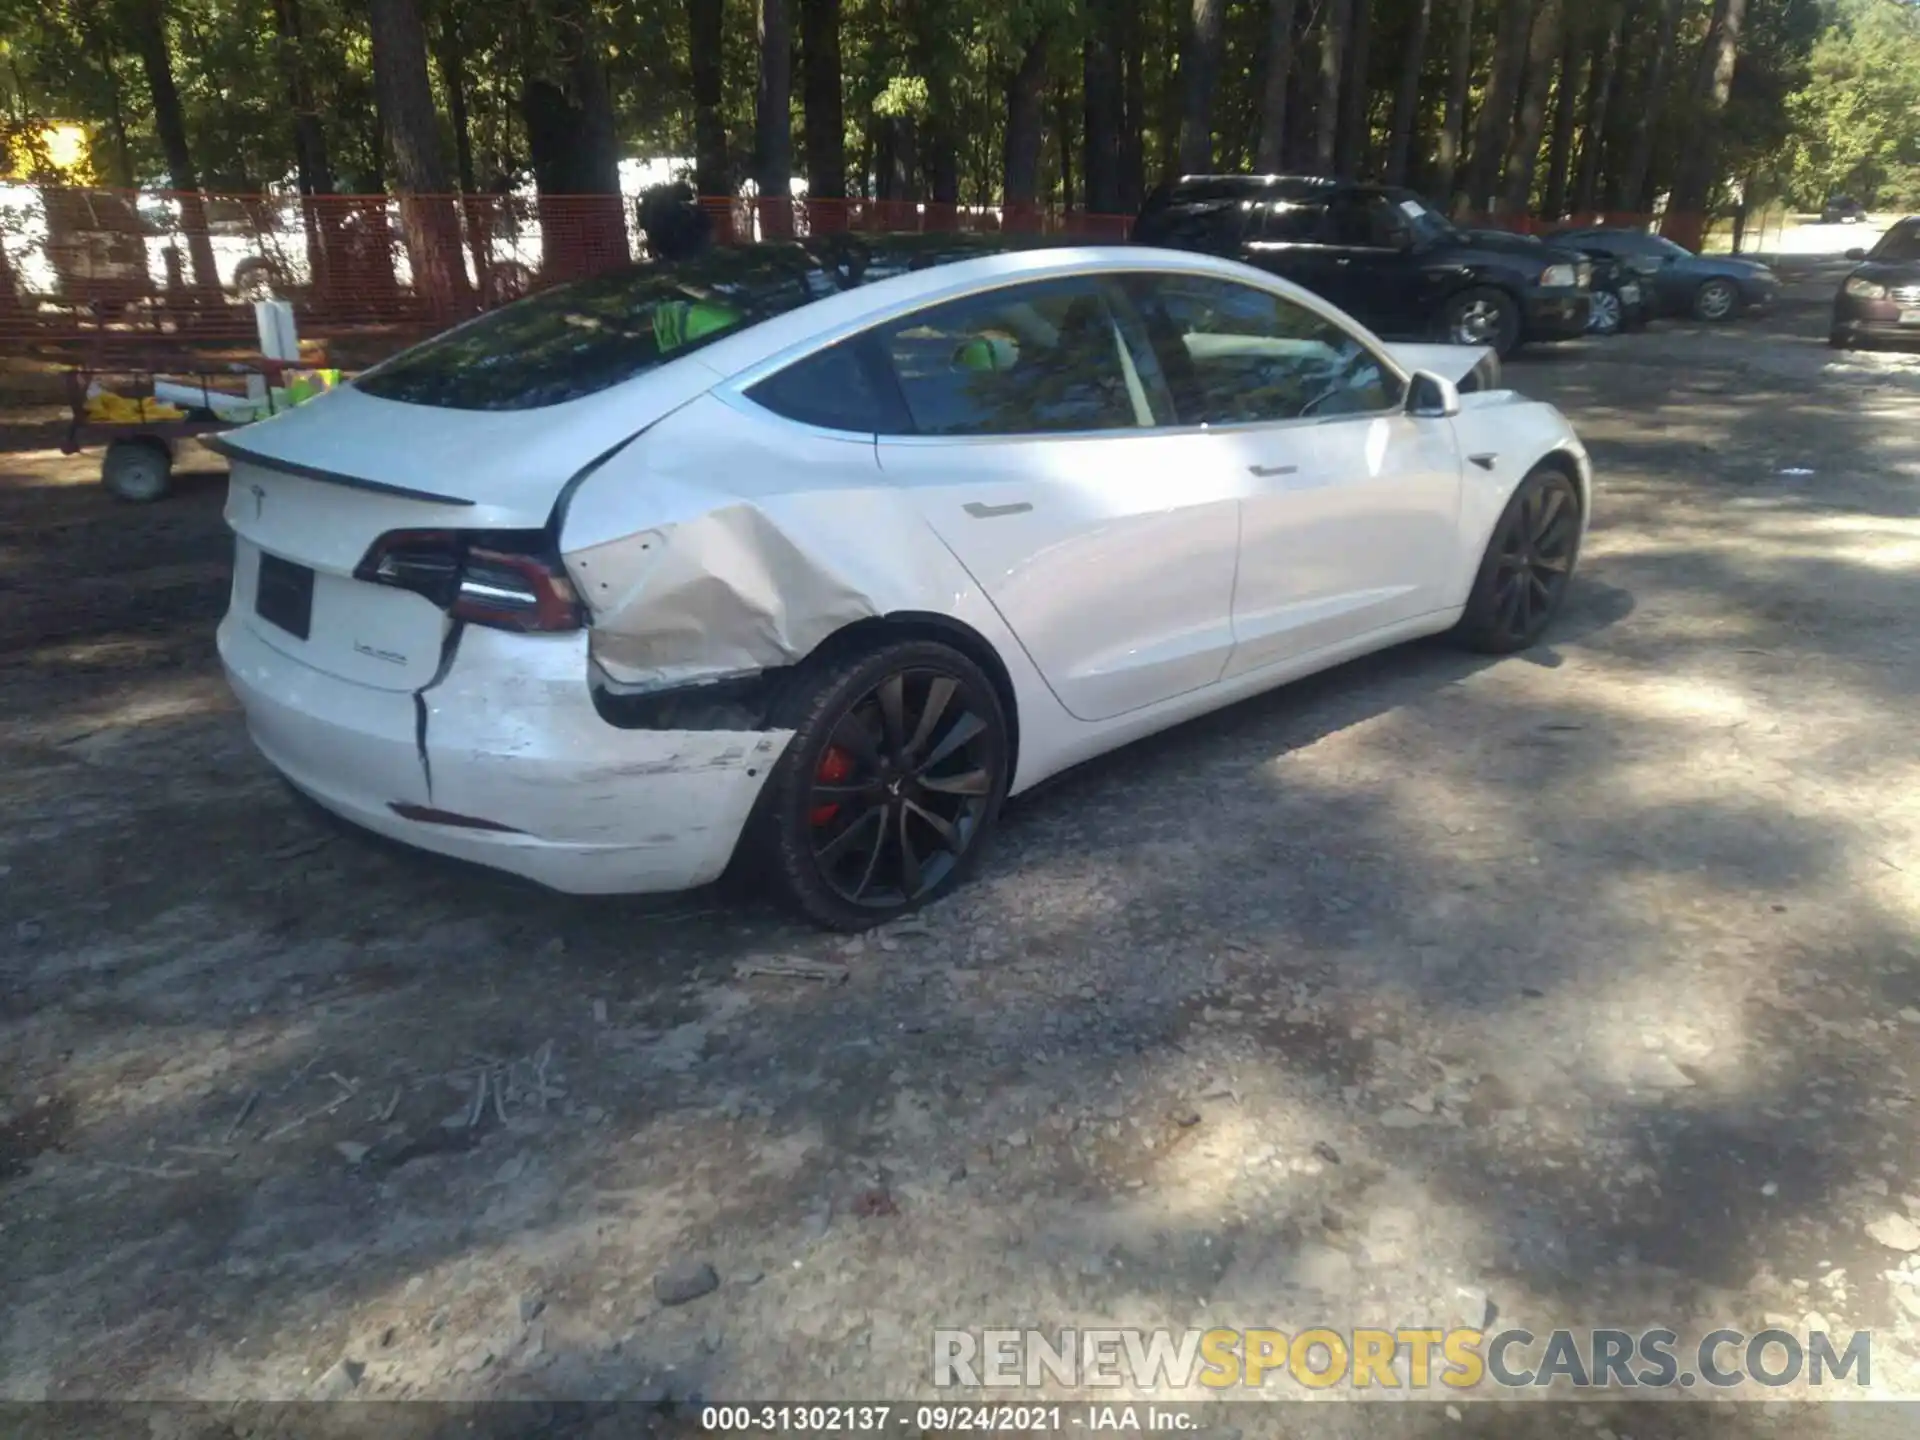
{"x": 225, "y": 447}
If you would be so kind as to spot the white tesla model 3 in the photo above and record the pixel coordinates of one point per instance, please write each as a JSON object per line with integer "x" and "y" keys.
{"x": 813, "y": 553}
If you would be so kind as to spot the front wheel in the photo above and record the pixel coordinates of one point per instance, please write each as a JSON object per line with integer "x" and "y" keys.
{"x": 887, "y": 793}
{"x": 1527, "y": 567}
{"x": 1716, "y": 300}
{"x": 1483, "y": 316}
{"x": 1608, "y": 315}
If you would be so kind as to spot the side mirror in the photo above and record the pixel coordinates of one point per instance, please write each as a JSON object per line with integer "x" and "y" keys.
{"x": 1431, "y": 397}
{"x": 1856, "y": 253}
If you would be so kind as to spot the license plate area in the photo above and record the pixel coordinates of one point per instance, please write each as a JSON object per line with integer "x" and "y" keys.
{"x": 283, "y": 595}
{"x": 1910, "y": 316}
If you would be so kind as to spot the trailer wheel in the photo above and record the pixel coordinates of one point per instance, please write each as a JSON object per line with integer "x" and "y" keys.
{"x": 138, "y": 470}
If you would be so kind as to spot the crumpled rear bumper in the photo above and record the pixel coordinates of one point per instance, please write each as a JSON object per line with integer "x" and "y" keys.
{"x": 511, "y": 740}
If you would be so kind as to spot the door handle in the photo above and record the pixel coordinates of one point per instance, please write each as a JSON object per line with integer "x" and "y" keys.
{"x": 992, "y": 512}
{"x": 1268, "y": 472}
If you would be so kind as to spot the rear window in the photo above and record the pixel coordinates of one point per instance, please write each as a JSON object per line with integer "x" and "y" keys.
{"x": 582, "y": 338}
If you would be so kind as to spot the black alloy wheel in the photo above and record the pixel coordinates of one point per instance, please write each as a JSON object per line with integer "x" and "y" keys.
{"x": 890, "y": 786}
{"x": 1527, "y": 567}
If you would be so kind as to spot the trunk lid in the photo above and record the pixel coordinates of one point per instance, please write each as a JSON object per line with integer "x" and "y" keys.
{"x": 312, "y": 490}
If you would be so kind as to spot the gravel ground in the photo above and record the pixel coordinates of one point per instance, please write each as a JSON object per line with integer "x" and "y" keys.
{"x": 1581, "y": 988}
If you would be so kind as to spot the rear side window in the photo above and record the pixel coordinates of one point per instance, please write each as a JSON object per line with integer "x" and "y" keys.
{"x": 1212, "y": 229}
{"x": 1293, "y": 222}
{"x": 835, "y": 389}
{"x": 1030, "y": 359}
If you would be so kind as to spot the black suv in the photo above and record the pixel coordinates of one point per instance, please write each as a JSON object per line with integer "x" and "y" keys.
{"x": 1381, "y": 254}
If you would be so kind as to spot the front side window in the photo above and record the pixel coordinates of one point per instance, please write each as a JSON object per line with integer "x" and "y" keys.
{"x": 1027, "y": 360}
{"x": 1367, "y": 221}
{"x": 1236, "y": 355}
{"x": 1900, "y": 245}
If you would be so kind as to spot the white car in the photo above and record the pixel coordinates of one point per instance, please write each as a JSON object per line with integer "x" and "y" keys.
{"x": 815, "y": 552}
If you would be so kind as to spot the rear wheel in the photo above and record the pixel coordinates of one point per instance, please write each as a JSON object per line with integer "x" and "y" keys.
{"x": 1840, "y": 340}
{"x": 1716, "y": 300}
{"x": 1527, "y": 567}
{"x": 139, "y": 470}
{"x": 1483, "y": 316}
{"x": 890, "y": 787}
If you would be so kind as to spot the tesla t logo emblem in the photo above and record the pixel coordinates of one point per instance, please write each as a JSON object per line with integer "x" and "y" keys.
{"x": 259, "y": 501}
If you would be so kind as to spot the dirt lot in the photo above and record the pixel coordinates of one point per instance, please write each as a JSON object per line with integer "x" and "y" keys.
{"x": 1582, "y": 987}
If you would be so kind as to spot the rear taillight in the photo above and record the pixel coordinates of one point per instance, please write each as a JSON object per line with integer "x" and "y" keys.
{"x": 508, "y": 579}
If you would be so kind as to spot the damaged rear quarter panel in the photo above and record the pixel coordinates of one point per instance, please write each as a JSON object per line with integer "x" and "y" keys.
{"x": 726, "y": 541}
{"x": 513, "y": 736}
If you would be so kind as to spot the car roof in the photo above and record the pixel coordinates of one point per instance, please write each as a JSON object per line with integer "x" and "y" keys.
{"x": 1192, "y": 189}
{"x": 774, "y": 342}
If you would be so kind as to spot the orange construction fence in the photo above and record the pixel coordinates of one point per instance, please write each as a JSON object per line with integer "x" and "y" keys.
{"x": 132, "y": 267}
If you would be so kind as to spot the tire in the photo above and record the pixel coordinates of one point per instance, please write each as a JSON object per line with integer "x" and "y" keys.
{"x": 1522, "y": 582}
{"x": 1482, "y": 315}
{"x": 1608, "y": 316}
{"x": 850, "y": 827}
{"x": 138, "y": 470}
{"x": 1839, "y": 340}
{"x": 1715, "y": 301}
{"x": 255, "y": 279}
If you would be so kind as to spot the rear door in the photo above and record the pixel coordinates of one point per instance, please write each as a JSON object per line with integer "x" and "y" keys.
{"x": 1288, "y": 237}
{"x": 1107, "y": 543}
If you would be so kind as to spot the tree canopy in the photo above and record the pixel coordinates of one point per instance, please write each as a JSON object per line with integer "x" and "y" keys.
{"x": 1503, "y": 106}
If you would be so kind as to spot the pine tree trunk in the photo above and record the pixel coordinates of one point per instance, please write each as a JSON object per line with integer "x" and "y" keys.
{"x": 1334, "y": 30}
{"x": 1565, "y": 107}
{"x": 97, "y": 29}
{"x": 824, "y": 120}
{"x": 1636, "y": 183}
{"x": 1350, "y": 155}
{"x": 1133, "y": 124}
{"x": 1406, "y": 104}
{"x": 450, "y": 57}
{"x": 1200, "y": 77}
{"x": 1270, "y": 152}
{"x": 427, "y": 215}
{"x": 1523, "y": 153}
{"x": 1686, "y": 217}
{"x": 773, "y": 120}
{"x": 311, "y": 162}
{"x": 147, "y": 21}
{"x": 706, "y": 42}
{"x": 1496, "y": 116}
{"x": 1020, "y": 168}
{"x": 1103, "y": 108}
{"x": 1453, "y": 127}
{"x": 1586, "y": 190}
{"x": 575, "y": 155}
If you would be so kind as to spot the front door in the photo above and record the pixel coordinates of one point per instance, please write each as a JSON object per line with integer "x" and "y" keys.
{"x": 1351, "y": 510}
{"x": 1038, "y": 459}
{"x": 1375, "y": 274}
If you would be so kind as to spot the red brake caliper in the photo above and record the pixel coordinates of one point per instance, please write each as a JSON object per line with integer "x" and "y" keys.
{"x": 835, "y": 767}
